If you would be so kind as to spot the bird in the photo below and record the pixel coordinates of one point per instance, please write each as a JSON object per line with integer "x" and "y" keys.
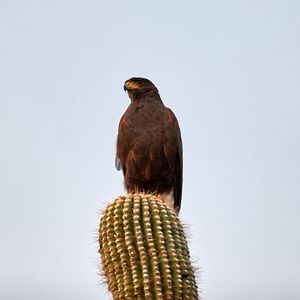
{"x": 149, "y": 145}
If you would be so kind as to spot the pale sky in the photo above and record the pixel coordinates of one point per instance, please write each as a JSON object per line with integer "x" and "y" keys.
{"x": 230, "y": 70}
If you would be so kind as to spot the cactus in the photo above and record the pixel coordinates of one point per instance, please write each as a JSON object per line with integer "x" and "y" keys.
{"x": 144, "y": 251}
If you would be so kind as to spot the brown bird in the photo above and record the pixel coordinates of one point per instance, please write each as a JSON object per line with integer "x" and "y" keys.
{"x": 149, "y": 146}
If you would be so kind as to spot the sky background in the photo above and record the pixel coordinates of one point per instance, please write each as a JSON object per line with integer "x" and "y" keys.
{"x": 230, "y": 70}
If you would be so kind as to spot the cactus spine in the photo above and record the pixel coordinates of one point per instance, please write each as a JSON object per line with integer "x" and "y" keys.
{"x": 144, "y": 251}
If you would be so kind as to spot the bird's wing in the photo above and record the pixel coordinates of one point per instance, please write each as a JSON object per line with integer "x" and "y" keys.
{"x": 174, "y": 153}
{"x": 120, "y": 146}
{"x": 117, "y": 163}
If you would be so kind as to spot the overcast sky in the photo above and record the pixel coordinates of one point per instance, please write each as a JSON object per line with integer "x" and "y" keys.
{"x": 230, "y": 70}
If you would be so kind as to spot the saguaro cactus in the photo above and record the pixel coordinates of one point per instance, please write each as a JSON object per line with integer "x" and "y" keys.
{"x": 144, "y": 251}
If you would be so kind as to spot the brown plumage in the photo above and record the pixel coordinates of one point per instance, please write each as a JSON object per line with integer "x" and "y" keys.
{"x": 149, "y": 147}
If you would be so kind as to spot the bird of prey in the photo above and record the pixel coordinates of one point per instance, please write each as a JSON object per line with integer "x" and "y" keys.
{"x": 149, "y": 146}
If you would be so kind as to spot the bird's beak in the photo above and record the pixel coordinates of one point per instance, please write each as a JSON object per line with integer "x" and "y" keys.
{"x": 130, "y": 85}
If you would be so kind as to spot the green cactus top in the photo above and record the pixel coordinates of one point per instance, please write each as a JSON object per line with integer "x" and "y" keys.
{"x": 144, "y": 251}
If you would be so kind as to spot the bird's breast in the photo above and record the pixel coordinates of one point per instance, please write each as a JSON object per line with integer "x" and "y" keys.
{"x": 147, "y": 116}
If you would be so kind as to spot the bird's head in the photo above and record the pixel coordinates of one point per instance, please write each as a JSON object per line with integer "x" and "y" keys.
{"x": 138, "y": 87}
